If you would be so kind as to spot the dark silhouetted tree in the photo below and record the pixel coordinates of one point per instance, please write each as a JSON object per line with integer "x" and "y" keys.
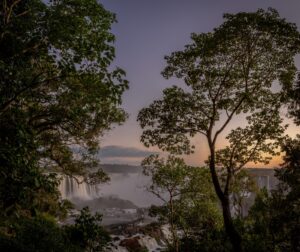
{"x": 58, "y": 93}
{"x": 228, "y": 72}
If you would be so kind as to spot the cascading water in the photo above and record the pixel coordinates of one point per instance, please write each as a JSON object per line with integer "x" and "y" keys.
{"x": 71, "y": 189}
{"x": 149, "y": 242}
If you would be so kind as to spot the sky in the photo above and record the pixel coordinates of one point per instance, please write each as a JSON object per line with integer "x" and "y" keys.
{"x": 146, "y": 31}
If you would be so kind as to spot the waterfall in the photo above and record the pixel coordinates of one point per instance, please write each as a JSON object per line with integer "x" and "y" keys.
{"x": 149, "y": 242}
{"x": 70, "y": 189}
{"x": 263, "y": 181}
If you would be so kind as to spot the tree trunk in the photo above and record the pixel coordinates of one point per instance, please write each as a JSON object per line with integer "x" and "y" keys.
{"x": 173, "y": 229}
{"x": 234, "y": 236}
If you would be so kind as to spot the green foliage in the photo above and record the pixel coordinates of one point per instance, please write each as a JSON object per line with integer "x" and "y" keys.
{"x": 273, "y": 222}
{"x": 43, "y": 234}
{"x": 293, "y": 98}
{"x": 24, "y": 189}
{"x": 258, "y": 235}
{"x": 87, "y": 232}
{"x": 228, "y": 72}
{"x": 198, "y": 206}
{"x": 38, "y": 234}
{"x": 287, "y": 198}
{"x": 55, "y": 79}
{"x": 213, "y": 240}
{"x": 58, "y": 95}
{"x": 190, "y": 203}
{"x": 167, "y": 181}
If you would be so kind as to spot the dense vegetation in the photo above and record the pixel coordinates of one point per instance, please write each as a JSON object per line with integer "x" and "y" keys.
{"x": 229, "y": 72}
{"x": 59, "y": 94}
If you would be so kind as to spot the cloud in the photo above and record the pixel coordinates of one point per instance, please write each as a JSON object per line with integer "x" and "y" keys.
{"x": 113, "y": 151}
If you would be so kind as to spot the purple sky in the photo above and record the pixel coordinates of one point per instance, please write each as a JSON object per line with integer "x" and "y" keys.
{"x": 147, "y": 31}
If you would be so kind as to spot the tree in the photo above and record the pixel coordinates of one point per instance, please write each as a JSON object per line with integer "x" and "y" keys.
{"x": 273, "y": 221}
{"x": 55, "y": 71}
{"x": 38, "y": 234}
{"x": 167, "y": 181}
{"x": 189, "y": 200}
{"x": 87, "y": 232}
{"x": 229, "y": 71}
{"x": 258, "y": 234}
{"x": 286, "y": 217}
{"x": 58, "y": 91}
{"x": 42, "y": 233}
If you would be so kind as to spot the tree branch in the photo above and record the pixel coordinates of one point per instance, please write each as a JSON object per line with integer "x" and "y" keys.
{"x": 228, "y": 119}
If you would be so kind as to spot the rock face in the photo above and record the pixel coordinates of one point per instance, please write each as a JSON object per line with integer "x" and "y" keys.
{"x": 130, "y": 238}
{"x": 133, "y": 245}
{"x": 130, "y": 229}
{"x": 138, "y": 243}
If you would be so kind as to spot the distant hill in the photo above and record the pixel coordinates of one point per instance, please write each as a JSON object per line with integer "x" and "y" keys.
{"x": 121, "y": 168}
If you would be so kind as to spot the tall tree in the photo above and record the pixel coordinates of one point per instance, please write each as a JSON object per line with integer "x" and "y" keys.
{"x": 229, "y": 71}
{"x": 58, "y": 90}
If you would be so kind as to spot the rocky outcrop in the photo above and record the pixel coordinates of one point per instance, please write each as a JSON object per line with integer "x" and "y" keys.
{"x": 135, "y": 238}
{"x": 133, "y": 245}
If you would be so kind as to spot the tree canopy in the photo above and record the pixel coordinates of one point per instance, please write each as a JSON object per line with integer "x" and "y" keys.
{"x": 56, "y": 78}
{"x": 189, "y": 201}
{"x": 229, "y": 71}
{"x": 59, "y": 93}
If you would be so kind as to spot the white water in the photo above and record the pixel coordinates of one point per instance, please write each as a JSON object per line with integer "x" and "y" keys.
{"x": 149, "y": 242}
{"x": 71, "y": 189}
{"x": 127, "y": 186}
{"x": 166, "y": 230}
